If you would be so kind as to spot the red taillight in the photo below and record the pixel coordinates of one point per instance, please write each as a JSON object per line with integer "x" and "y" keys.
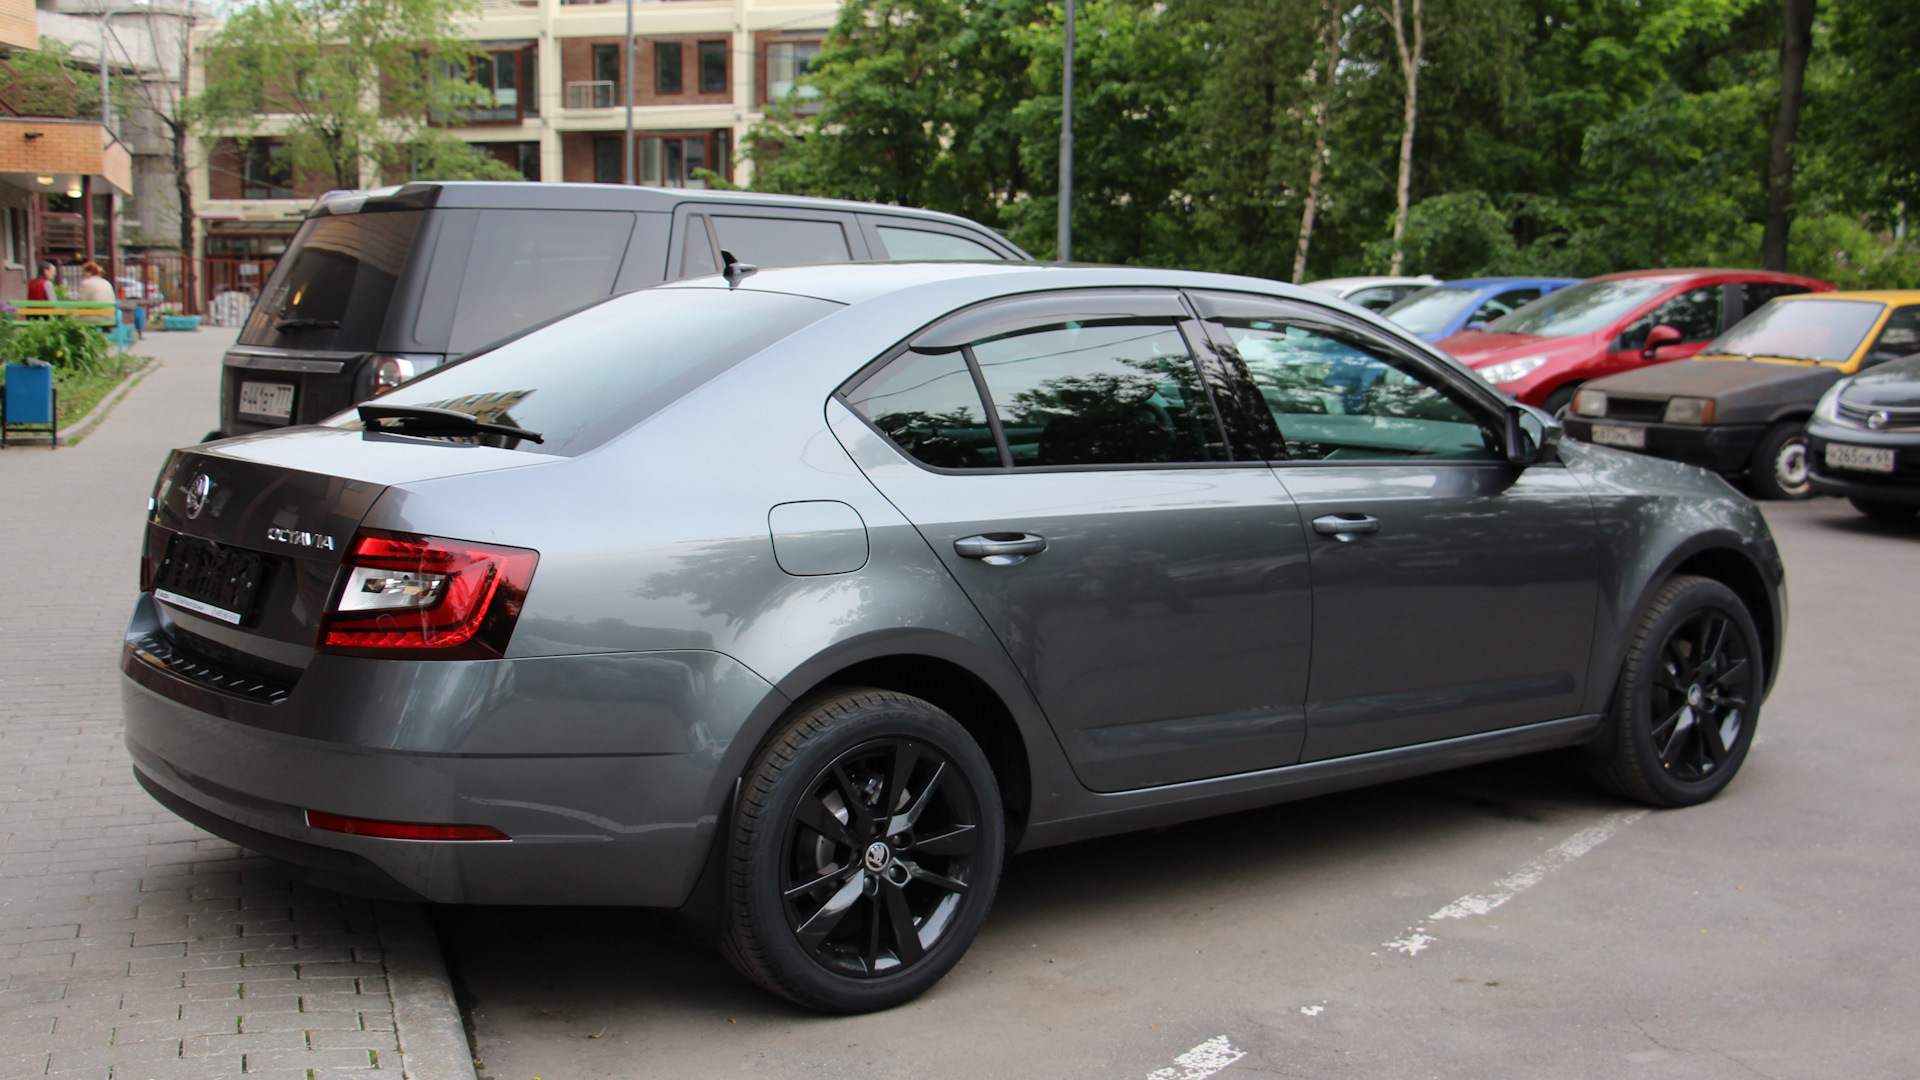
{"x": 419, "y": 596}
{"x": 401, "y": 830}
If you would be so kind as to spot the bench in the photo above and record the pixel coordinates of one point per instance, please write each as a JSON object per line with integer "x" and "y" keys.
{"x": 92, "y": 312}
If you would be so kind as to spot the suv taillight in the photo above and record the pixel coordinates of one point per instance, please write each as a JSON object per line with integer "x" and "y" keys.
{"x": 426, "y": 597}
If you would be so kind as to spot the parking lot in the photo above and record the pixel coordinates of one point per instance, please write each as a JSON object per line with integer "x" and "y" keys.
{"x": 1505, "y": 921}
{"x": 1764, "y": 934}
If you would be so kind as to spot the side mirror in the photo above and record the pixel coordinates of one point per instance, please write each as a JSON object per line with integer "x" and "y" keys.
{"x": 1532, "y": 435}
{"x": 1658, "y": 336}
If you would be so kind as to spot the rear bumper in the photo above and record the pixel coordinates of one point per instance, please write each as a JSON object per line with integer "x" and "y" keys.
{"x": 1723, "y": 448}
{"x": 610, "y": 772}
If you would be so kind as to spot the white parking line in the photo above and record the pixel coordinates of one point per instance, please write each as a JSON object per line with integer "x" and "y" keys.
{"x": 1200, "y": 1062}
{"x": 1416, "y": 939}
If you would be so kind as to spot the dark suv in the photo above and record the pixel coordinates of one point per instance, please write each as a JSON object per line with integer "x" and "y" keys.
{"x": 379, "y": 286}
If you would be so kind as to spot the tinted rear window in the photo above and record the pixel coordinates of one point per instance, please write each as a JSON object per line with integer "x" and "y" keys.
{"x": 332, "y": 288}
{"x": 767, "y": 241}
{"x": 588, "y": 377}
{"x": 530, "y": 265}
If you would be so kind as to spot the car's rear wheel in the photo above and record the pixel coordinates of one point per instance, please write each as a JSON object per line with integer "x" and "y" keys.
{"x": 1684, "y": 711}
{"x": 1885, "y": 511}
{"x": 866, "y": 850}
{"x": 1779, "y": 464}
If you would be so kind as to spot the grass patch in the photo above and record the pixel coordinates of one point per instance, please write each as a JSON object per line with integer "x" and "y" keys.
{"x": 80, "y": 391}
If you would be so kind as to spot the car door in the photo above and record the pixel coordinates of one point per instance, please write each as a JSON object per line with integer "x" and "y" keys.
{"x": 1063, "y": 456}
{"x": 1699, "y": 312}
{"x": 1453, "y": 592}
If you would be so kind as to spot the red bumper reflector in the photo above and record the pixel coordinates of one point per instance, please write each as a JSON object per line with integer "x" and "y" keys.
{"x": 401, "y": 830}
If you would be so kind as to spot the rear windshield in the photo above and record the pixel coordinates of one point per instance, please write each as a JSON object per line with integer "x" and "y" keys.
{"x": 592, "y": 375}
{"x": 1825, "y": 330}
{"x": 332, "y": 288}
{"x": 1579, "y": 309}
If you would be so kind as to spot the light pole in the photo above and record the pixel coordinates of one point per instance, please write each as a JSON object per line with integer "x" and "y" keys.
{"x": 626, "y": 170}
{"x": 1066, "y": 148}
{"x": 106, "y": 87}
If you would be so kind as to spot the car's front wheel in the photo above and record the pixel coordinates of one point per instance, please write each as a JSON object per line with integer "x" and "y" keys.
{"x": 1688, "y": 698}
{"x": 1886, "y": 511}
{"x": 1779, "y": 464}
{"x": 866, "y": 849}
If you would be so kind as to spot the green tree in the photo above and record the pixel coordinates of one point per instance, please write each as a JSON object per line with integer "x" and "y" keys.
{"x": 353, "y": 80}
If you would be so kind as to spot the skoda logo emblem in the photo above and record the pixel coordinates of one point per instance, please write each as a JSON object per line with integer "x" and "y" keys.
{"x": 1878, "y": 420}
{"x": 878, "y": 856}
{"x": 197, "y": 495}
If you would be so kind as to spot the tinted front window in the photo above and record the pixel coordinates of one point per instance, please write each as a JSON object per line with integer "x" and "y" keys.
{"x": 1334, "y": 398}
{"x": 582, "y": 380}
{"x": 1899, "y": 337}
{"x": 1695, "y": 313}
{"x": 1579, "y": 309}
{"x": 331, "y": 291}
{"x": 928, "y": 405}
{"x": 920, "y": 245}
{"x": 1100, "y": 393}
{"x": 1825, "y": 330}
{"x": 1759, "y": 292}
{"x": 529, "y": 265}
{"x": 767, "y": 242}
{"x": 1430, "y": 310}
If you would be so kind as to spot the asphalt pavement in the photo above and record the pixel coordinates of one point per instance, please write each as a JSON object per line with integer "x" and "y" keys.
{"x": 1503, "y": 921}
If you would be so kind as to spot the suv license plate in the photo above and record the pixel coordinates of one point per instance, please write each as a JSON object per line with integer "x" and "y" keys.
{"x": 1865, "y": 458}
{"x": 271, "y": 400}
{"x": 1630, "y": 437}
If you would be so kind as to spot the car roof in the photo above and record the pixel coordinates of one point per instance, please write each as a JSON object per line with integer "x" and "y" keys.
{"x": 520, "y": 195}
{"x": 1343, "y": 284}
{"x": 1503, "y": 282}
{"x": 1885, "y": 296}
{"x": 1680, "y": 274}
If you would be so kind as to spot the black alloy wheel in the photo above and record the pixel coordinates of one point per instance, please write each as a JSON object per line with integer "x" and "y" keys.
{"x": 1689, "y": 696}
{"x": 867, "y": 849}
{"x": 1779, "y": 466}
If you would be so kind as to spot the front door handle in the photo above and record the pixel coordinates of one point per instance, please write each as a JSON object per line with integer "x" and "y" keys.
{"x": 1346, "y": 527}
{"x": 1000, "y": 548}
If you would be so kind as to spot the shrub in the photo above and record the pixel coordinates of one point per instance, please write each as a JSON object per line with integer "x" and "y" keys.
{"x": 62, "y": 342}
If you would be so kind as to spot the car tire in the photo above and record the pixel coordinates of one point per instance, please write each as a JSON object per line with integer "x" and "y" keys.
{"x": 1560, "y": 400}
{"x": 1885, "y": 511}
{"x": 896, "y": 897}
{"x": 1684, "y": 711}
{"x": 1778, "y": 468}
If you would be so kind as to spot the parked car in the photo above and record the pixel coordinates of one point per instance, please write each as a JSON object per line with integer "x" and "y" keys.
{"x": 1374, "y": 293}
{"x": 797, "y": 601}
{"x": 379, "y": 286}
{"x": 1443, "y": 310}
{"x": 1605, "y": 325}
{"x": 1864, "y": 441}
{"x": 1742, "y": 404}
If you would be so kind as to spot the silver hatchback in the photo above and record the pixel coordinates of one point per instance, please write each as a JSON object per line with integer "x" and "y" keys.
{"x": 798, "y": 601}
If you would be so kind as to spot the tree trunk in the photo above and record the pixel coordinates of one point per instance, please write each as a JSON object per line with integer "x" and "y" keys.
{"x": 1324, "y": 121}
{"x": 1794, "y": 47}
{"x": 183, "y": 186}
{"x": 1410, "y": 65}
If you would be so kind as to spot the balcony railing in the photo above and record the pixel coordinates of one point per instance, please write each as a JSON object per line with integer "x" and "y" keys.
{"x": 590, "y": 95}
{"x": 51, "y": 95}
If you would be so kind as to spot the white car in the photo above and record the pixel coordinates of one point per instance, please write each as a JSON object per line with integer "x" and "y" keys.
{"x": 1374, "y": 293}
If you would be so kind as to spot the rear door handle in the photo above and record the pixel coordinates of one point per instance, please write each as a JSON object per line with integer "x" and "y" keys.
{"x": 1346, "y": 527}
{"x": 1000, "y": 548}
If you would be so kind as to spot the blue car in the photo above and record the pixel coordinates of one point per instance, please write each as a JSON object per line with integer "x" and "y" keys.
{"x": 1446, "y": 309}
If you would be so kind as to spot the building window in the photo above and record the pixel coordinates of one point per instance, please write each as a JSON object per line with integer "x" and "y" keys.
{"x": 713, "y": 67}
{"x": 786, "y": 62}
{"x": 666, "y": 67}
{"x": 16, "y": 245}
{"x": 528, "y": 160}
{"x": 606, "y": 159}
{"x": 673, "y": 161}
{"x": 266, "y": 170}
{"x": 506, "y": 75}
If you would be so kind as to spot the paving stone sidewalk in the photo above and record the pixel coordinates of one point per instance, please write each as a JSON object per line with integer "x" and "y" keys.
{"x": 133, "y": 946}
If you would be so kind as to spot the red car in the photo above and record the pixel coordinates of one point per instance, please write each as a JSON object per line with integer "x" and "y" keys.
{"x": 1544, "y": 351}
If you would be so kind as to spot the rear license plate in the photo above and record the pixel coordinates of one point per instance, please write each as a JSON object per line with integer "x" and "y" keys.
{"x": 274, "y": 401}
{"x": 209, "y": 579}
{"x": 1864, "y": 458}
{"x": 1631, "y": 437}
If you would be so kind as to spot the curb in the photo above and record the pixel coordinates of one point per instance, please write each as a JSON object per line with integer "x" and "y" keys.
{"x": 84, "y": 426}
{"x": 433, "y": 1039}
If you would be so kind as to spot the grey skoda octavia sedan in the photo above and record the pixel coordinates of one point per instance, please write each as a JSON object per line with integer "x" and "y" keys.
{"x": 797, "y": 601}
